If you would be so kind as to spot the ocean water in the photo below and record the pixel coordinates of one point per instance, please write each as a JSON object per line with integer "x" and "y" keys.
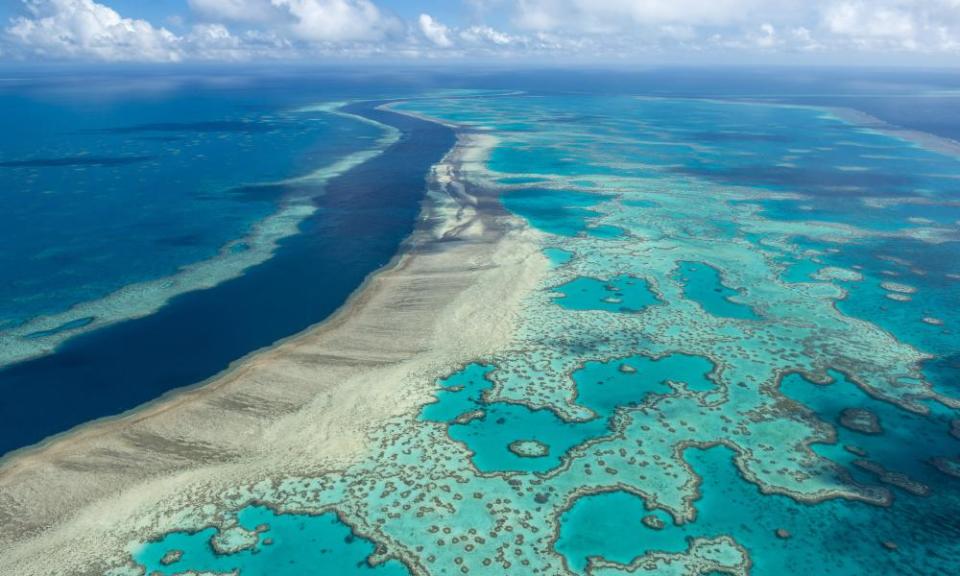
{"x": 741, "y": 360}
{"x": 101, "y": 193}
{"x": 238, "y": 224}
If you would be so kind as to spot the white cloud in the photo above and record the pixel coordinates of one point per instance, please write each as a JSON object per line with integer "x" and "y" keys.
{"x": 858, "y": 20}
{"x": 435, "y": 31}
{"x": 335, "y": 20}
{"x": 487, "y": 35}
{"x": 894, "y": 25}
{"x": 86, "y": 29}
{"x": 309, "y": 20}
{"x": 616, "y": 15}
{"x": 767, "y": 38}
{"x": 841, "y": 26}
{"x": 582, "y": 29}
{"x": 215, "y": 42}
{"x": 478, "y": 37}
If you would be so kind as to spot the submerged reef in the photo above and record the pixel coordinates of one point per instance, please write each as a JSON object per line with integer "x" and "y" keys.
{"x": 861, "y": 420}
{"x": 678, "y": 392}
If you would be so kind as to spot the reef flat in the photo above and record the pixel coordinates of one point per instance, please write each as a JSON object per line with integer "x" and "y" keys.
{"x": 629, "y": 336}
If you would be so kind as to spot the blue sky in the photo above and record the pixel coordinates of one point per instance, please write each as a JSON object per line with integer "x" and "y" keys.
{"x": 913, "y": 32}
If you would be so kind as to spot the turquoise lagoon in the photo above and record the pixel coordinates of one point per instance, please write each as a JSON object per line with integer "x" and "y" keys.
{"x": 755, "y": 374}
{"x": 617, "y": 294}
{"x": 259, "y": 544}
{"x": 703, "y": 285}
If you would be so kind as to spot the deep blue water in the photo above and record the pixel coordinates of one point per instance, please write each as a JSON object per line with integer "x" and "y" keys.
{"x": 101, "y": 193}
{"x": 362, "y": 218}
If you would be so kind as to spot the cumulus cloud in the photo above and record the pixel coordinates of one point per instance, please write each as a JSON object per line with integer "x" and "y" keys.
{"x": 585, "y": 29}
{"x": 335, "y": 20}
{"x": 311, "y": 20}
{"x": 611, "y": 15}
{"x": 487, "y": 35}
{"x": 435, "y": 31}
{"x": 479, "y": 37}
{"x": 767, "y": 36}
{"x": 864, "y": 26}
{"x": 216, "y": 42}
{"x": 890, "y": 25}
{"x": 854, "y": 19}
{"x": 86, "y": 29}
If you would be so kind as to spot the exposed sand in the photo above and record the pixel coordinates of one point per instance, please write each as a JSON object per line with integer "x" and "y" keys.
{"x": 301, "y": 407}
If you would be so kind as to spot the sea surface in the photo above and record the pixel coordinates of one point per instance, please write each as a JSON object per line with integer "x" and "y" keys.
{"x": 742, "y": 360}
{"x": 150, "y": 239}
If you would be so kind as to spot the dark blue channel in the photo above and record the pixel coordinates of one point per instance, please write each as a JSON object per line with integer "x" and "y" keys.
{"x": 362, "y": 219}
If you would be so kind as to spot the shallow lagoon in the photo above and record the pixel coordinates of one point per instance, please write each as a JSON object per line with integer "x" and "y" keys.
{"x": 563, "y": 212}
{"x": 702, "y": 284}
{"x": 265, "y": 543}
{"x": 618, "y": 294}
